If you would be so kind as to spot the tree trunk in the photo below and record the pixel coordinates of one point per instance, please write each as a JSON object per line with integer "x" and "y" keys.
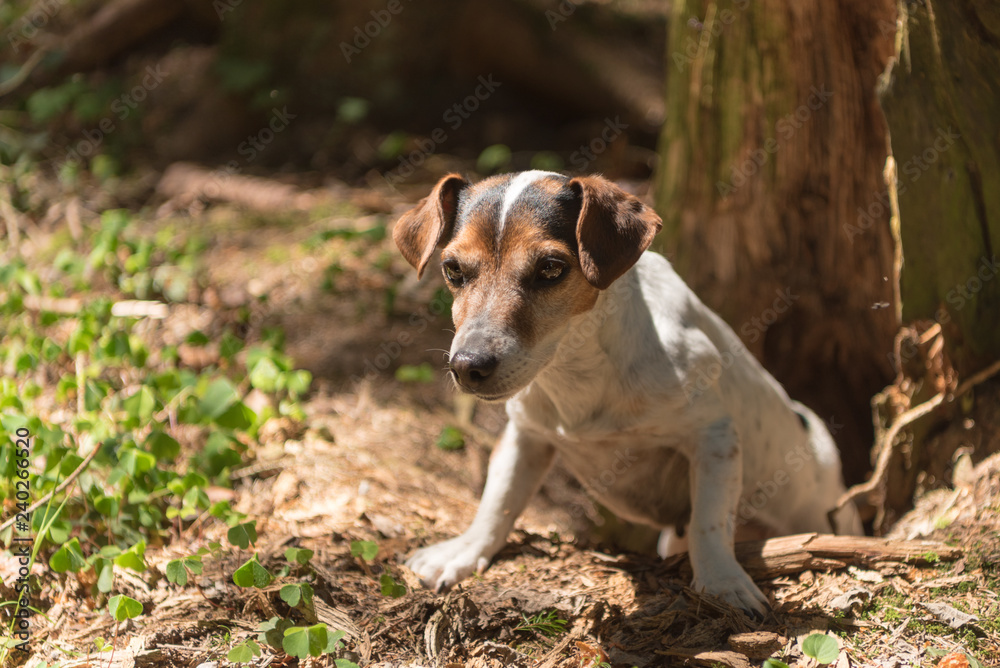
{"x": 771, "y": 155}
{"x": 941, "y": 99}
{"x": 942, "y": 103}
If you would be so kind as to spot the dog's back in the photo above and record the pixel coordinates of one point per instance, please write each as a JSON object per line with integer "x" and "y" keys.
{"x": 792, "y": 460}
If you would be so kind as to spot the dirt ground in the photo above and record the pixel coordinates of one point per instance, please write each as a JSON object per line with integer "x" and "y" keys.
{"x": 364, "y": 465}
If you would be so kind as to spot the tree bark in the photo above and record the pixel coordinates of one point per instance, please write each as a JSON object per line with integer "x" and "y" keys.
{"x": 773, "y": 146}
{"x": 940, "y": 98}
{"x": 942, "y": 103}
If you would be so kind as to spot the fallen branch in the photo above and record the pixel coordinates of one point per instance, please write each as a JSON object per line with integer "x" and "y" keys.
{"x": 127, "y": 308}
{"x": 22, "y": 74}
{"x": 116, "y": 26}
{"x": 795, "y": 554}
{"x": 187, "y": 182}
{"x": 787, "y": 555}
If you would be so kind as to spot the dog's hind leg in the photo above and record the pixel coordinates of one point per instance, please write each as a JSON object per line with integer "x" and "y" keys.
{"x": 828, "y": 487}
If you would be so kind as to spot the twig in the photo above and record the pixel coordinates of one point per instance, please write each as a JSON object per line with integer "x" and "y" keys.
{"x": 81, "y": 383}
{"x": 63, "y": 485}
{"x": 977, "y": 378}
{"x": 138, "y": 308}
{"x": 60, "y": 305}
{"x": 126, "y": 308}
{"x": 29, "y": 66}
{"x": 885, "y": 445}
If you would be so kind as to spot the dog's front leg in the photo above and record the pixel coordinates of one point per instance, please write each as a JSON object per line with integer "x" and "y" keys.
{"x": 716, "y": 484}
{"x": 518, "y": 464}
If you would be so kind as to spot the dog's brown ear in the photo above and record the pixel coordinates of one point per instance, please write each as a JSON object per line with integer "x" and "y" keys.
{"x": 430, "y": 223}
{"x": 613, "y": 230}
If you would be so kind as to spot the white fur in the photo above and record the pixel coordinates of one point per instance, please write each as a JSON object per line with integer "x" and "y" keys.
{"x": 648, "y": 384}
{"x": 516, "y": 187}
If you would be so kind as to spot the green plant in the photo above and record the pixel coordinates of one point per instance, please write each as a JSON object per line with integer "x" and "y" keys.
{"x": 126, "y": 440}
{"x": 390, "y": 587}
{"x": 298, "y": 555}
{"x": 422, "y": 373}
{"x": 245, "y": 652}
{"x": 122, "y": 608}
{"x": 177, "y": 569}
{"x": 252, "y": 574}
{"x": 493, "y": 158}
{"x": 297, "y": 595}
{"x": 451, "y": 438}
{"x": 549, "y": 624}
{"x": 821, "y": 648}
{"x": 302, "y": 642}
{"x": 365, "y": 550}
{"x": 49, "y": 518}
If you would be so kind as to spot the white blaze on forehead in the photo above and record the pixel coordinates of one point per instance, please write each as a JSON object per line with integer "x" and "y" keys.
{"x": 517, "y": 186}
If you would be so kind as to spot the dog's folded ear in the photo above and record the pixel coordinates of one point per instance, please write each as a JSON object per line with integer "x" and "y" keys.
{"x": 613, "y": 230}
{"x": 430, "y": 223}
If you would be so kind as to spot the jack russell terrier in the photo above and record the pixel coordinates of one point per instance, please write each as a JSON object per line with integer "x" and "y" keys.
{"x": 607, "y": 358}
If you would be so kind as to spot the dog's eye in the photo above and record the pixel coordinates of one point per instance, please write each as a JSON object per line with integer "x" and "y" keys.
{"x": 549, "y": 270}
{"x": 453, "y": 273}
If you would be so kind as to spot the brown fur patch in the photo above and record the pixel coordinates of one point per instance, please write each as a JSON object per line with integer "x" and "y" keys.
{"x": 549, "y": 185}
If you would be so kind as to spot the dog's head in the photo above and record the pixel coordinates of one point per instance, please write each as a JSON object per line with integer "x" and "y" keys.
{"x": 522, "y": 254}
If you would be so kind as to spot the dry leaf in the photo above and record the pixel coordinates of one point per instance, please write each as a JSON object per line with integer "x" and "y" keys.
{"x": 954, "y": 660}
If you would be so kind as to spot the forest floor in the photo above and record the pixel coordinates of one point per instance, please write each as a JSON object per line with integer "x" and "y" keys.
{"x": 395, "y": 458}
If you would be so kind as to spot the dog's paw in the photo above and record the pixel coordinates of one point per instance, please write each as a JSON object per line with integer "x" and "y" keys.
{"x": 441, "y": 566}
{"x": 736, "y": 589}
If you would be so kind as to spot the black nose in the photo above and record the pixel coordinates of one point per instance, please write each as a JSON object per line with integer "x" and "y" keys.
{"x": 472, "y": 369}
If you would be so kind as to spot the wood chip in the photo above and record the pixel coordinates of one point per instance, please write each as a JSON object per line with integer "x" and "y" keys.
{"x": 728, "y": 659}
{"x": 757, "y": 645}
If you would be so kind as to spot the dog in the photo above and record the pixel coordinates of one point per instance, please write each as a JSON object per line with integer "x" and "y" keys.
{"x": 607, "y": 358}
